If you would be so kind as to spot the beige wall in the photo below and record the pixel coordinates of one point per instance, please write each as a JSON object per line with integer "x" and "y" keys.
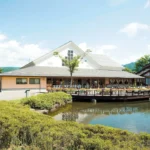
{"x": 10, "y": 83}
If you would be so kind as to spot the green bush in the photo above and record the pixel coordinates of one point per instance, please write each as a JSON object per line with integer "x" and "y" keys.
{"x": 21, "y": 128}
{"x": 47, "y": 100}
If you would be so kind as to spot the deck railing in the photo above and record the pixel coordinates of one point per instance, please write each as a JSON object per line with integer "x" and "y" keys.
{"x": 110, "y": 92}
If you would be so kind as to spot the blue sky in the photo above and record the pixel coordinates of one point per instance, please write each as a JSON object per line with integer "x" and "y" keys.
{"x": 31, "y": 28}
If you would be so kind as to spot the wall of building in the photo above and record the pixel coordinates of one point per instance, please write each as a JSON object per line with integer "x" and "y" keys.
{"x": 11, "y": 91}
{"x": 55, "y": 61}
{"x": 9, "y": 83}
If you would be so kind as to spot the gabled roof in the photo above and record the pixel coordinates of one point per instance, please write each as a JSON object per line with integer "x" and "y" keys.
{"x": 144, "y": 70}
{"x": 99, "y": 61}
{"x": 46, "y": 56}
{"x": 105, "y": 61}
{"x": 63, "y": 72}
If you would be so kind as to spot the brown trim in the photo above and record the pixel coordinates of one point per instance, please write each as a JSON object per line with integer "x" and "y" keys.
{"x": 145, "y": 73}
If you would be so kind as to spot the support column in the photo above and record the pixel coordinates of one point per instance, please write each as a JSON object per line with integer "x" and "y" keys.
{"x": 106, "y": 81}
{"x": 98, "y": 83}
{"x": 90, "y": 82}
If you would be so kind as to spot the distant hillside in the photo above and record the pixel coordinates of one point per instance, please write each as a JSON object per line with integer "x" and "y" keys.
{"x": 6, "y": 69}
{"x": 130, "y": 65}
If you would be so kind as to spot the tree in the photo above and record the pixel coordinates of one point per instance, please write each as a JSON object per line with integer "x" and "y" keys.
{"x": 127, "y": 70}
{"x": 140, "y": 63}
{"x": 72, "y": 64}
{"x": 1, "y": 70}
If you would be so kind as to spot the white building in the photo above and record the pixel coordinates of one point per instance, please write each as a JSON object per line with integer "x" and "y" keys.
{"x": 48, "y": 71}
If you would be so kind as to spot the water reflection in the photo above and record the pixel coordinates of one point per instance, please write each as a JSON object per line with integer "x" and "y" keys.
{"x": 134, "y": 117}
{"x": 70, "y": 116}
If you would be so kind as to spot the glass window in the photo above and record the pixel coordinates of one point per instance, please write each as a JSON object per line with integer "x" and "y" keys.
{"x": 21, "y": 80}
{"x": 34, "y": 80}
{"x": 148, "y": 81}
{"x": 70, "y": 56}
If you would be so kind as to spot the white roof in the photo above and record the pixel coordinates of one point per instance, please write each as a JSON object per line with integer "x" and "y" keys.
{"x": 104, "y": 60}
{"x": 63, "y": 72}
{"x": 99, "y": 61}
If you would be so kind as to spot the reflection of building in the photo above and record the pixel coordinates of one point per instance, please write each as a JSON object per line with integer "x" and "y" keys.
{"x": 145, "y": 72}
{"x": 69, "y": 116}
{"x": 48, "y": 71}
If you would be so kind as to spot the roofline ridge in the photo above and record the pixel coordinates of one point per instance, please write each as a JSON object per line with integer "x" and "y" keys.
{"x": 47, "y": 53}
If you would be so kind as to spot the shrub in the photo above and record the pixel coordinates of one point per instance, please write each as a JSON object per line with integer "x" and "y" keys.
{"x": 21, "y": 128}
{"x": 47, "y": 100}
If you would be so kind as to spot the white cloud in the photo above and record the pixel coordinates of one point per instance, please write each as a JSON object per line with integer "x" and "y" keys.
{"x": 2, "y": 37}
{"x": 103, "y": 49}
{"x": 13, "y": 53}
{"x": 83, "y": 46}
{"x": 120, "y": 54}
{"x": 147, "y": 4}
{"x": 132, "y": 29}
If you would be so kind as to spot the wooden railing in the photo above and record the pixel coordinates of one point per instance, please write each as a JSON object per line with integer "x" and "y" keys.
{"x": 110, "y": 92}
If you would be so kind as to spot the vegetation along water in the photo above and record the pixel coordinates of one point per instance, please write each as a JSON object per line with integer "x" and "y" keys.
{"x": 22, "y": 128}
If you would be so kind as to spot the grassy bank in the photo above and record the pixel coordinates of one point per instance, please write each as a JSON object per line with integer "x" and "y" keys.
{"x": 21, "y": 127}
{"x": 47, "y": 100}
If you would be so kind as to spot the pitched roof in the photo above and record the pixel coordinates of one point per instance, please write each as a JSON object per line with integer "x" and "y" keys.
{"x": 104, "y": 60}
{"x": 100, "y": 61}
{"x": 46, "y": 56}
{"x": 63, "y": 72}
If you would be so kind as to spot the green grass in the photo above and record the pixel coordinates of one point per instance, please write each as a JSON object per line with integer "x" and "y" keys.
{"x": 21, "y": 128}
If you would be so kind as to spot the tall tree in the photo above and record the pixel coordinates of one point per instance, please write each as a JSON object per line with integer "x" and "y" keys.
{"x": 140, "y": 63}
{"x": 72, "y": 64}
{"x": 1, "y": 70}
{"x": 127, "y": 70}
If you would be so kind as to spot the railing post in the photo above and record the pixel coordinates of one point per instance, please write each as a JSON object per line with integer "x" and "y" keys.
{"x": 102, "y": 92}
{"x": 94, "y": 92}
{"x": 118, "y": 92}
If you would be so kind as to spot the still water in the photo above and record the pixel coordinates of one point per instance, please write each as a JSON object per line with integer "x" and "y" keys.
{"x": 132, "y": 116}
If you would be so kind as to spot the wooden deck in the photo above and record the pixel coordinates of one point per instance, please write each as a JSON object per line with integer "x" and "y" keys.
{"x": 110, "y": 96}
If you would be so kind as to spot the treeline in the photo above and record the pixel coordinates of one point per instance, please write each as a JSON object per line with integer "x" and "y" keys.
{"x": 7, "y": 69}
{"x": 138, "y": 65}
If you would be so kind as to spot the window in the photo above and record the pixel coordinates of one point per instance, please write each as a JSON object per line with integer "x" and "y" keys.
{"x": 70, "y": 54}
{"x": 69, "y": 57}
{"x": 148, "y": 81}
{"x": 34, "y": 80}
{"x": 21, "y": 80}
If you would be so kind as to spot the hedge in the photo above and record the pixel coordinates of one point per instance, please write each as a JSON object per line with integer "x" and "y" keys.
{"x": 21, "y": 128}
{"x": 47, "y": 100}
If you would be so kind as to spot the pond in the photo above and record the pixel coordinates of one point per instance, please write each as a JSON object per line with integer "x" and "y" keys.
{"x": 132, "y": 116}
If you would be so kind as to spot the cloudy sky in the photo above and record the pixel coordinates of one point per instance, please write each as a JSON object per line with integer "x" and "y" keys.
{"x": 31, "y": 28}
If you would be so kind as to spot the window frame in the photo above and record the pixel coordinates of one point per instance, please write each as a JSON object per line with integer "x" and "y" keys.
{"x": 21, "y": 81}
{"x": 34, "y": 80}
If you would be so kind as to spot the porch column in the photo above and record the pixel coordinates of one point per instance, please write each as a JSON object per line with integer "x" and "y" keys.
{"x": 106, "y": 81}
{"x": 98, "y": 84}
{"x": 90, "y": 82}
